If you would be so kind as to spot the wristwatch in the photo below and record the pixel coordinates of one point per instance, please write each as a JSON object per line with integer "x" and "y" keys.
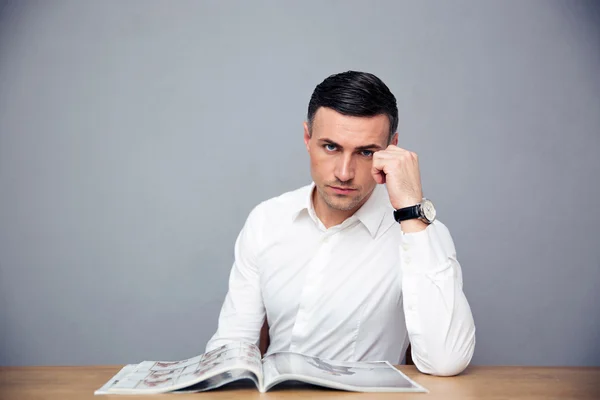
{"x": 425, "y": 211}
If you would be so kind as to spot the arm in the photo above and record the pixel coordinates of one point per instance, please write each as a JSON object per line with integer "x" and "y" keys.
{"x": 242, "y": 314}
{"x": 438, "y": 317}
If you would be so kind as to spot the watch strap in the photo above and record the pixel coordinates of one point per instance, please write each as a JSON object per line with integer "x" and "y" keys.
{"x": 403, "y": 214}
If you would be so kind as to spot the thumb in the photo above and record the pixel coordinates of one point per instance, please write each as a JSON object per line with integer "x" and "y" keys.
{"x": 377, "y": 171}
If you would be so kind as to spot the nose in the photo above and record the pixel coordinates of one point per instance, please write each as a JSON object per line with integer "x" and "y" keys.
{"x": 344, "y": 169}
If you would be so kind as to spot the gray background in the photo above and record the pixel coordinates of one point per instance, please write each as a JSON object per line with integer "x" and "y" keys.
{"x": 136, "y": 136}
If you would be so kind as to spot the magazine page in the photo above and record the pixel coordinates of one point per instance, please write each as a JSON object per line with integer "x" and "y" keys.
{"x": 245, "y": 365}
{"x": 225, "y": 378}
{"x": 377, "y": 376}
{"x": 165, "y": 376}
{"x": 118, "y": 376}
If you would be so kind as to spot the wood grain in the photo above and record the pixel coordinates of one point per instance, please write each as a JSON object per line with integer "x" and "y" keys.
{"x": 539, "y": 383}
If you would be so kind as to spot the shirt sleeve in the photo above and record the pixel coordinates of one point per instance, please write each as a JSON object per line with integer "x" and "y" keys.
{"x": 438, "y": 317}
{"x": 243, "y": 312}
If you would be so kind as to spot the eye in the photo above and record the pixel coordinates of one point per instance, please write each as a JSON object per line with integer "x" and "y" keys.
{"x": 329, "y": 147}
{"x": 366, "y": 153}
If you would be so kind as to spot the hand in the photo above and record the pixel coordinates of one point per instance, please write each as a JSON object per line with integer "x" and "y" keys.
{"x": 399, "y": 169}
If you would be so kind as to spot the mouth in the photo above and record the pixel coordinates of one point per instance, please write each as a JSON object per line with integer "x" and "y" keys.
{"x": 339, "y": 190}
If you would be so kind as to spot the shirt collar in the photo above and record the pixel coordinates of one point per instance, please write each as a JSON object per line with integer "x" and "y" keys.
{"x": 370, "y": 214}
{"x": 304, "y": 201}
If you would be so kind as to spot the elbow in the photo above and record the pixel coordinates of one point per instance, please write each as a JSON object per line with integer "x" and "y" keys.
{"x": 451, "y": 366}
{"x": 446, "y": 363}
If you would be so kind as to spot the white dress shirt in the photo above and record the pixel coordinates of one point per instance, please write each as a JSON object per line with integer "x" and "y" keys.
{"x": 358, "y": 291}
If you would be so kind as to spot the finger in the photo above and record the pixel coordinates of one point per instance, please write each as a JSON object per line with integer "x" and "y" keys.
{"x": 384, "y": 155}
{"x": 396, "y": 152}
{"x": 391, "y": 147}
{"x": 402, "y": 156}
{"x": 379, "y": 177}
{"x": 377, "y": 170}
{"x": 387, "y": 153}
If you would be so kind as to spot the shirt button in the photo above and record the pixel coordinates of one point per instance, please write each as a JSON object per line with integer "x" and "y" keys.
{"x": 326, "y": 239}
{"x": 407, "y": 260}
{"x": 405, "y": 246}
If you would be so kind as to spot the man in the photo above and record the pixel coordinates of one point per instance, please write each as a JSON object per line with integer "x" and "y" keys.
{"x": 355, "y": 265}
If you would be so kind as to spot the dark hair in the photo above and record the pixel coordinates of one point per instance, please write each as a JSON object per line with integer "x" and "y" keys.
{"x": 357, "y": 94}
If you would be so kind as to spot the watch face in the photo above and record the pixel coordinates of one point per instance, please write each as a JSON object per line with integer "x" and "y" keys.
{"x": 428, "y": 210}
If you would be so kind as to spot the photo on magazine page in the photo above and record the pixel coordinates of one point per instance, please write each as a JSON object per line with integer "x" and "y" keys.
{"x": 364, "y": 375}
{"x": 161, "y": 376}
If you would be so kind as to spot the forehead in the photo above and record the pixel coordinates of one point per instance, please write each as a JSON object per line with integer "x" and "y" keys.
{"x": 350, "y": 131}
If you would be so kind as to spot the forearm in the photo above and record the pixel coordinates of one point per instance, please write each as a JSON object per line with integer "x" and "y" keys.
{"x": 236, "y": 328}
{"x": 438, "y": 317}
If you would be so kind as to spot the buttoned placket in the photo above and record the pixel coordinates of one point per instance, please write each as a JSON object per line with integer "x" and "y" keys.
{"x": 314, "y": 278}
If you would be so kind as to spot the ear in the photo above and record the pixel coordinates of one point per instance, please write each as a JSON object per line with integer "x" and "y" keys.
{"x": 394, "y": 140}
{"x": 306, "y": 136}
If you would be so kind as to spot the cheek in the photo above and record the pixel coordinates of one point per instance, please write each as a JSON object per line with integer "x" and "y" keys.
{"x": 320, "y": 163}
{"x": 363, "y": 171}
{"x": 364, "y": 178}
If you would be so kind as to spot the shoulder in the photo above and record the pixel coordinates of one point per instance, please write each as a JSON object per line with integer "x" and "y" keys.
{"x": 271, "y": 216}
{"x": 288, "y": 202}
{"x": 277, "y": 208}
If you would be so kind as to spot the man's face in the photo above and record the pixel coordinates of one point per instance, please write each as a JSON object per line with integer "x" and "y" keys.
{"x": 341, "y": 153}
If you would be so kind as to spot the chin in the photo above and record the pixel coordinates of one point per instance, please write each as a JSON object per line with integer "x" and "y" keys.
{"x": 344, "y": 205}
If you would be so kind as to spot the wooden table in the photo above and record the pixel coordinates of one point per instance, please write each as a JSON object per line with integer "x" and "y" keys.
{"x": 484, "y": 383}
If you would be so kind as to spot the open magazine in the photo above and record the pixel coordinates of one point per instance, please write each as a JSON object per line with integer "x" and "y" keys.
{"x": 242, "y": 361}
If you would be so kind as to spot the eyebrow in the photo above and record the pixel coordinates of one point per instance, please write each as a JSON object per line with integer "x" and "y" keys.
{"x": 367, "y": 147}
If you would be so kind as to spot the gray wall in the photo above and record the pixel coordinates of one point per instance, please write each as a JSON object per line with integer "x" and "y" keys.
{"x": 135, "y": 137}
